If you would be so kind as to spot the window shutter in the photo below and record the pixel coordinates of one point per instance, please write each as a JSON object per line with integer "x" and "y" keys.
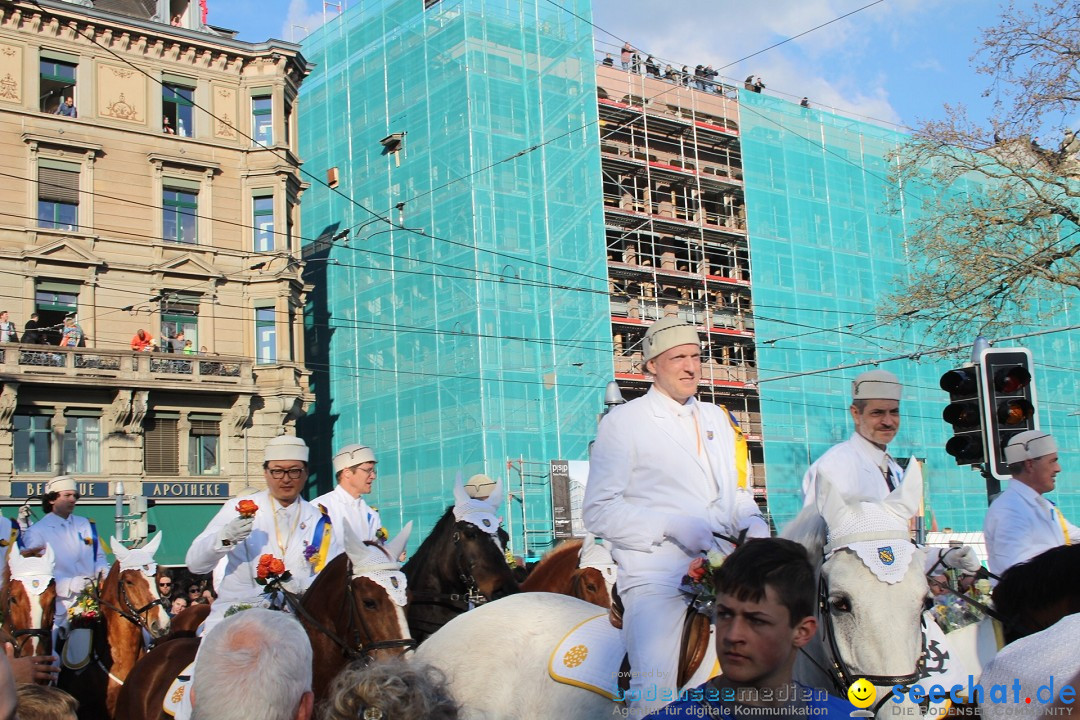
{"x": 204, "y": 427}
{"x": 58, "y": 185}
{"x": 161, "y": 447}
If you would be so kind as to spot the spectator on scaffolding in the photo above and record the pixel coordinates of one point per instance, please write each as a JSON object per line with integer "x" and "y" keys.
{"x": 625, "y": 55}
{"x": 71, "y": 335}
{"x": 651, "y": 68}
{"x": 670, "y": 73}
{"x": 7, "y": 328}
{"x": 142, "y": 342}
{"x": 608, "y": 61}
{"x": 804, "y": 103}
{"x": 699, "y": 77}
{"x": 759, "y": 85}
{"x": 635, "y": 63}
{"x": 748, "y": 83}
{"x": 710, "y": 78}
{"x": 684, "y": 76}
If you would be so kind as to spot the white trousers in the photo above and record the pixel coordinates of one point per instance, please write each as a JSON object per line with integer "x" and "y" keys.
{"x": 652, "y": 628}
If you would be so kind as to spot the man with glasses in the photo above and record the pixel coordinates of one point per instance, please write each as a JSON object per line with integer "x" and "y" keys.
{"x": 284, "y": 525}
{"x": 1021, "y": 523}
{"x": 354, "y": 469}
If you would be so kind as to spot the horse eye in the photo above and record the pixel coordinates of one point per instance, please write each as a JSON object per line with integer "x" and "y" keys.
{"x": 840, "y": 604}
{"x": 369, "y": 604}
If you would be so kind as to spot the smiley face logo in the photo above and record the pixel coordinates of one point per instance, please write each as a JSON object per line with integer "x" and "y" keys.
{"x": 862, "y": 694}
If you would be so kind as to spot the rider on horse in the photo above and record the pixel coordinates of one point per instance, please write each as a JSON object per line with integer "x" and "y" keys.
{"x": 80, "y": 558}
{"x": 282, "y": 525}
{"x": 354, "y": 469}
{"x": 666, "y": 473}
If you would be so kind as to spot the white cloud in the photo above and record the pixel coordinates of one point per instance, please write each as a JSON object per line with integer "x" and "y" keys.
{"x": 303, "y": 20}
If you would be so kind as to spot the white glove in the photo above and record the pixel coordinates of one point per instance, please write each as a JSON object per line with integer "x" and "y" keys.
{"x": 694, "y": 534}
{"x": 24, "y": 515}
{"x": 236, "y": 531}
{"x": 961, "y": 558}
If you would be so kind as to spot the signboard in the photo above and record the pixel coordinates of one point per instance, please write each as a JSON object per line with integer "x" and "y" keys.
{"x": 161, "y": 490}
{"x": 87, "y": 490}
{"x": 560, "y": 499}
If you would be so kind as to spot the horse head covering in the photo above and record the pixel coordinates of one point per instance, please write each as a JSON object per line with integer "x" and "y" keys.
{"x": 481, "y": 513}
{"x": 875, "y": 531}
{"x": 377, "y": 563}
{"x": 141, "y": 558}
{"x": 596, "y": 553}
{"x": 35, "y": 571}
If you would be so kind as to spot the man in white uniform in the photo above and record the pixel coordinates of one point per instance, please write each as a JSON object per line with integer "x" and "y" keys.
{"x": 285, "y": 526}
{"x": 75, "y": 544}
{"x": 860, "y": 468}
{"x": 355, "y": 470}
{"x": 665, "y": 473}
{"x": 1021, "y": 523}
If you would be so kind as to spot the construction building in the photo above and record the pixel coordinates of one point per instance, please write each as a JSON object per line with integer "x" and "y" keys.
{"x": 149, "y": 182}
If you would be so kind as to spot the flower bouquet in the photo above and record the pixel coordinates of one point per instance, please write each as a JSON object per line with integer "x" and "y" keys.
{"x": 271, "y": 573}
{"x": 85, "y": 611}
{"x": 952, "y": 611}
{"x": 698, "y": 582}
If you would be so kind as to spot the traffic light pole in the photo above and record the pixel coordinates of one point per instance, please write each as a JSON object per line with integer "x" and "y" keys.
{"x": 993, "y": 485}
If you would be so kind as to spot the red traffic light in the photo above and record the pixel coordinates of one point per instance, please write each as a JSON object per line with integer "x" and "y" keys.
{"x": 1012, "y": 380}
{"x": 1015, "y": 412}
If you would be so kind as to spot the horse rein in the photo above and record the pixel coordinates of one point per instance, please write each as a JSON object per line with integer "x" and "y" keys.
{"x": 132, "y": 614}
{"x": 460, "y": 602}
{"x": 40, "y": 633}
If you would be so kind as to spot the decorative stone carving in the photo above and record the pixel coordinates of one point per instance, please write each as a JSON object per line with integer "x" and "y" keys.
{"x": 9, "y": 398}
{"x": 11, "y": 71}
{"x": 121, "y": 94}
{"x": 239, "y": 416}
{"x": 114, "y": 417}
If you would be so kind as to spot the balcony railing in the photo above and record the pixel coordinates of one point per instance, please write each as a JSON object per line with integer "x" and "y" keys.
{"x": 130, "y": 368}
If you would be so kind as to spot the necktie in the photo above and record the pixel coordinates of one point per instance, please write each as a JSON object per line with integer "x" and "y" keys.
{"x": 886, "y": 472}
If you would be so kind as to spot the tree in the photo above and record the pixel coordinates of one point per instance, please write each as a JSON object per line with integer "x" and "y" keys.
{"x": 996, "y": 227}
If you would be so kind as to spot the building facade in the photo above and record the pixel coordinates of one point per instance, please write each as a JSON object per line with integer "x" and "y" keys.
{"x": 150, "y": 182}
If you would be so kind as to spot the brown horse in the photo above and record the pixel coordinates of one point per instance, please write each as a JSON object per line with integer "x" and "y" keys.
{"x": 130, "y": 606}
{"x": 28, "y": 603}
{"x": 558, "y": 572}
{"x": 353, "y": 609}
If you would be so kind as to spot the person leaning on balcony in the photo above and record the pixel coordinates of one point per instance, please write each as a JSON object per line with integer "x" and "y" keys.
{"x": 67, "y": 108}
{"x": 142, "y": 342}
{"x": 1021, "y": 523}
{"x": 666, "y": 472}
{"x": 32, "y": 334}
{"x": 7, "y": 328}
{"x": 71, "y": 335}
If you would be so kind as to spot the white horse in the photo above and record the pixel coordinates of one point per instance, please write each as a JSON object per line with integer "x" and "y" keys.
{"x": 875, "y": 625}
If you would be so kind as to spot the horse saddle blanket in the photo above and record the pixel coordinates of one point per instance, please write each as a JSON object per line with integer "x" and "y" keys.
{"x": 589, "y": 657}
{"x": 179, "y": 691}
{"x": 78, "y": 648}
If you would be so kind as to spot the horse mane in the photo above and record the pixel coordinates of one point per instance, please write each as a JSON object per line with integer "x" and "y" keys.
{"x": 809, "y": 530}
{"x": 332, "y": 575}
{"x": 559, "y": 562}
{"x": 418, "y": 566}
{"x": 1029, "y": 591}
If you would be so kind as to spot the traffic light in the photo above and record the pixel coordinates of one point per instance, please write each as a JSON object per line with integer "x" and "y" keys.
{"x": 138, "y": 527}
{"x": 964, "y": 413}
{"x": 1008, "y": 401}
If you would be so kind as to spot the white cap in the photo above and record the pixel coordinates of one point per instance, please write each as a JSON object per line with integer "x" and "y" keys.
{"x": 351, "y": 455}
{"x": 665, "y": 334}
{"x": 286, "y": 447}
{"x": 60, "y": 484}
{"x": 480, "y": 486}
{"x": 876, "y": 385}
{"x": 1029, "y": 445}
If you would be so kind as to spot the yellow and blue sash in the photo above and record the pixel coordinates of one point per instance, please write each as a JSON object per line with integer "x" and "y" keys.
{"x": 321, "y": 538}
{"x": 742, "y": 454}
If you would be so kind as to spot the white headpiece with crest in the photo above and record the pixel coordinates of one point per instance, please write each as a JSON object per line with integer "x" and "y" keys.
{"x": 481, "y": 513}
{"x": 33, "y": 572}
{"x": 141, "y": 558}
{"x": 875, "y": 531}
{"x": 372, "y": 561}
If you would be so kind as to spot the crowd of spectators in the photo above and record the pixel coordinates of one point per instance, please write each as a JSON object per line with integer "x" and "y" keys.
{"x": 64, "y": 334}
{"x": 702, "y": 77}
{"x": 182, "y": 589}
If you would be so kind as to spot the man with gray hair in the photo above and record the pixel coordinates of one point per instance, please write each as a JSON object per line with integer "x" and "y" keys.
{"x": 256, "y": 664}
{"x": 666, "y": 474}
{"x": 1021, "y": 523}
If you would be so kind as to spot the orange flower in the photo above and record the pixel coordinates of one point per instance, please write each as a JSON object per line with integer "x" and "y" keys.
{"x": 246, "y": 508}
{"x": 277, "y": 567}
{"x": 263, "y": 569}
{"x": 697, "y": 570}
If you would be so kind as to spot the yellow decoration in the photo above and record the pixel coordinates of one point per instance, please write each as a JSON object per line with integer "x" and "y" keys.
{"x": 575, "y": 656}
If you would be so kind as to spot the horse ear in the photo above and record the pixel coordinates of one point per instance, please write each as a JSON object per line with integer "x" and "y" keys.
{"x": 395, "y": 547}
{"x": 830, "y": 503}
{"x": 460, "y": 496}
{"x": 354, "y": 546}
{"x": 152, "y": 546}
{"x": 905, "y": 502}
{"x": 496, "y": 497}
{"x": 119, "y": 549}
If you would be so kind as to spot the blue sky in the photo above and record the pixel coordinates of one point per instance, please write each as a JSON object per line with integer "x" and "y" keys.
{"x": 896, "y": 62}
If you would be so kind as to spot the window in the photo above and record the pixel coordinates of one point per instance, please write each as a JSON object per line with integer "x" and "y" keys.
{"x": 32, "y": 436}
{"x": 82, "y": 442}
{"x": 179, "y": 314}
{"x": 177, "y": 102}
{"x": 58, "y": 195}
{"x": 262, "y": 119}
{"x": 265, "y": 336}
{"x": 161, "y": 449}
{"x": 263, "y": 220}
{"x": 57, "y": 83}
{"x": 53, "y": 301}
{"x": 203, "y": 443}
{"x": 181, "y": 210}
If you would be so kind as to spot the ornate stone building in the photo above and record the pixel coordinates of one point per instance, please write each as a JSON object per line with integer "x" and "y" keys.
{"x": 148, "y": 181}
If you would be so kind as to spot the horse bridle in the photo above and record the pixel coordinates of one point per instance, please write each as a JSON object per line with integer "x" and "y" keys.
{"x": 40, "y": 633}
{"x": 132, "y": 614}
{"x": 358, "y": 650}
{"x": 459, "y": 602}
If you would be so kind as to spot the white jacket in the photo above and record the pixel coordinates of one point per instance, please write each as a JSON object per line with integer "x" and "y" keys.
{"x": 238, "y": 583}
{"x": 854, "y": 469}
{"x": 344, "y": 509}
{"x": 644, "y": 467}
{"x": 72, "y": 541}
{"x": 1021, "y": 524}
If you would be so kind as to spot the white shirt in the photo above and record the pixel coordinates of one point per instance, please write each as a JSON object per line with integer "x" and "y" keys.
{"x": 344, "y": 509}
{"x": 72, "y": 542}
{"x": 1021, "y": 524}
{"x": 856, "y": 468}
{"x": 645, "y": 467}
{"x": 5, "y": 537}
{"x": 294, "y": 529}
